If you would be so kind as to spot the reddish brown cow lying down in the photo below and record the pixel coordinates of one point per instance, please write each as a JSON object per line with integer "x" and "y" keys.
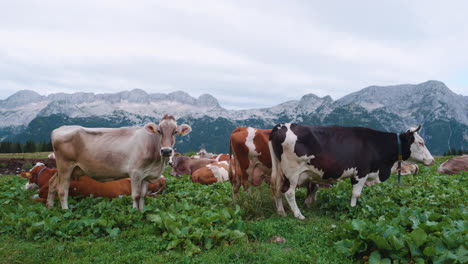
{"x": 186, "y": 165}
{"x": 221, "y": 157}
{"x": 454, "y": 165}
{"x": 40, "y": 175}
{"x": 211, "y": 173}
{"x": 406, "y": 168}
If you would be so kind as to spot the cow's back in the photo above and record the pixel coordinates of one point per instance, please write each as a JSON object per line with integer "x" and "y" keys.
{"x": 104, "y": 153}
{"x": 454, "y": 165}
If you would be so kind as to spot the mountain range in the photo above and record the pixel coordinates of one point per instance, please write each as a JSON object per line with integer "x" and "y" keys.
{"x": 27, "y": 115}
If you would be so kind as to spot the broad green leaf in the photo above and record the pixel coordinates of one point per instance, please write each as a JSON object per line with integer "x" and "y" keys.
{"x": 380, "y": 241}
{"x": 374, "y": 257}
{"x": 173, "y": 244}
{"x": 358, "y": 224}
{"x": 114, "y": 232}
{"x": 418, "y": 236}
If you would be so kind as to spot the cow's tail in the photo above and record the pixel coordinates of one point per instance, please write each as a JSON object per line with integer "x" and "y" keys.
{"x": 277, "y": 176}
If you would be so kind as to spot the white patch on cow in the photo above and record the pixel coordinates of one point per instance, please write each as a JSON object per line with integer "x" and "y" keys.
{"x": 31, "y": 186}
{"x": 220, "y": 173}
{"x": 37, "y": 165}
{"x": 249, "y": 141}
{"x": 357, "y": 189}
{"x": 372, "y": 178}
{"x": 35, "y": 196}
{"x": 51, "y": 155}
{"x": 348, "y": 173}
{"x": 419, "y": 151}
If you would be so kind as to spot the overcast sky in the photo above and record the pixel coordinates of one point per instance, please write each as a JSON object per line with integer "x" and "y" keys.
{"x": 248, "y": 54}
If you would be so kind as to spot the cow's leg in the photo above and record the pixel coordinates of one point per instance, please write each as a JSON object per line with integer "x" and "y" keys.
{"x": 358, "y": 184}
{"x": 312, "y": 189}
{"x": 279, "y": 205}
{"x": 51, "y": 190}
{"x": 136, "y": 182}
{"x": 291, "y": 197}
{"x": 144, "y": 190}
{"x": 63, "y": 185}
{"x": 235, "y": 188}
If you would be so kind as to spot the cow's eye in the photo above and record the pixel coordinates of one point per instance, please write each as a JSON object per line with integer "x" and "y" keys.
{"x": 421, "y": 143}
{"x": 175, "y": 132}
{"x": 159, "y": 131}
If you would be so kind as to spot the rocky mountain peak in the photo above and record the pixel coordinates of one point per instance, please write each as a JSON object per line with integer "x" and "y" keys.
{"x": 20, "y": 98}
{"x": 181, "y": 97}
{"x": 208, "y": 101}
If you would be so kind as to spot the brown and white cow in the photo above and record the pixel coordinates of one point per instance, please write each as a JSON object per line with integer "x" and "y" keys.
{"x": 105, "y": 154}
{"x": 327, "y": 154}
{"x": 221, "y": 157}
{"x": 186, "y": 165}
{"x": 212, "y": 173}
{"x": 251, "y": 160}
{"x": 39, "y": 177}
{"x": 454, "y": 165}
{"x": 406, "y": 168}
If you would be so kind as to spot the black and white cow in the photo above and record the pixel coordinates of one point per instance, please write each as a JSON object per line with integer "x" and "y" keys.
{"x": 304, "y": 154}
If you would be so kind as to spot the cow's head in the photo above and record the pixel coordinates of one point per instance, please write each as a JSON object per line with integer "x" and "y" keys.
{"x": 167, "y": 129}
{"x": 172, "y": 158}
{"x": 33, "y": 176}
{"x": 414, "y": 148}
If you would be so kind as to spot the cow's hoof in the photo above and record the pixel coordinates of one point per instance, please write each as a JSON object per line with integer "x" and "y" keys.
{"x": 282, "y": 213}
{"x": 300, "y": 217}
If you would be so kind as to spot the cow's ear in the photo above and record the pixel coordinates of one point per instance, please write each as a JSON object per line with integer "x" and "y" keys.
{"x": 151, "y": 128}
{"x": 183, "y": 129}
{"x": 26, "y": 175}
{"x": 412, "y": 130}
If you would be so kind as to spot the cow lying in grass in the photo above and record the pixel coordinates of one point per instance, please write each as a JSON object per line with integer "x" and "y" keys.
{"x": 39, "y": 177}
{"x": 204, "y": 171}
{"x": 211, "y": 173}
{"x": 406, "y": 168}
{"x": 454, "y": 165}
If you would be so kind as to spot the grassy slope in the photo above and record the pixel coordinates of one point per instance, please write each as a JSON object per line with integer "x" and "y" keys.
{"x": 35, "y": 155}
{"x": 309, "y": 241}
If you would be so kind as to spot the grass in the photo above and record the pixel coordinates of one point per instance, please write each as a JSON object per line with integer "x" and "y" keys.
{"x": 35, "y": 155}
{"x": 142, "y": 241}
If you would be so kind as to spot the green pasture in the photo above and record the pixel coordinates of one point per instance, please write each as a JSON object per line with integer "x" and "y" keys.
{"x": 424, "y": 221}
{"x": 34, "y": 155}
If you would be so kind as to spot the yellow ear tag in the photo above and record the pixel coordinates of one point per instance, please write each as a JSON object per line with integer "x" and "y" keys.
{"x": 28, "y": 174}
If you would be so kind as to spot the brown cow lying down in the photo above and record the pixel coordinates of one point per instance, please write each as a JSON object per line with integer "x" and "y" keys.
{"x": 406, "y": 168}
{"x": 186, "y": 165}
{"x": 454, "y": 165}
{"x": 211, "y": 173}
{"x": 221, "y": 157}
{"x": 40, "y": 175}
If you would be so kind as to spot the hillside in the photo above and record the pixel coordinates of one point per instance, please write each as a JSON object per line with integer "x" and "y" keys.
{"x": 27, "y": 115}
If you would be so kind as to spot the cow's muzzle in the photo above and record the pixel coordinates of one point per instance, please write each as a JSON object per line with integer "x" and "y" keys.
{"x": 166, "y": 152}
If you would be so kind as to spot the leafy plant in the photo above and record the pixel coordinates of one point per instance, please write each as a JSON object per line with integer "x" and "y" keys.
{"x": 27, "y": 166}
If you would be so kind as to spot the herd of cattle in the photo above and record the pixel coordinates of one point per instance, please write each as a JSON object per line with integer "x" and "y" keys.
{"x": 109, "y": 162}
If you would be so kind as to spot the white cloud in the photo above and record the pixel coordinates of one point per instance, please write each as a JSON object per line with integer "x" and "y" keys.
{"x": 256, "y": 53}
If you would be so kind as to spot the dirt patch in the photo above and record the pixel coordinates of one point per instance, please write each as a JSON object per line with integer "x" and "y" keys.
{"x": 15, "y": 166}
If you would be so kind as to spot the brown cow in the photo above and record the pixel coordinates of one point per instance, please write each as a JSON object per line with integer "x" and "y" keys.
{"x": 454, "y": 165}
{"x": 186, "y": 165}
{"x": 39, "y": 177}
{"x": 106, "y": 154}
{"x": 406, "y": 168}
{"x": 251, "y": 160}
{"x": 211, "y": 173}
{"x": 221, "y": 157}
